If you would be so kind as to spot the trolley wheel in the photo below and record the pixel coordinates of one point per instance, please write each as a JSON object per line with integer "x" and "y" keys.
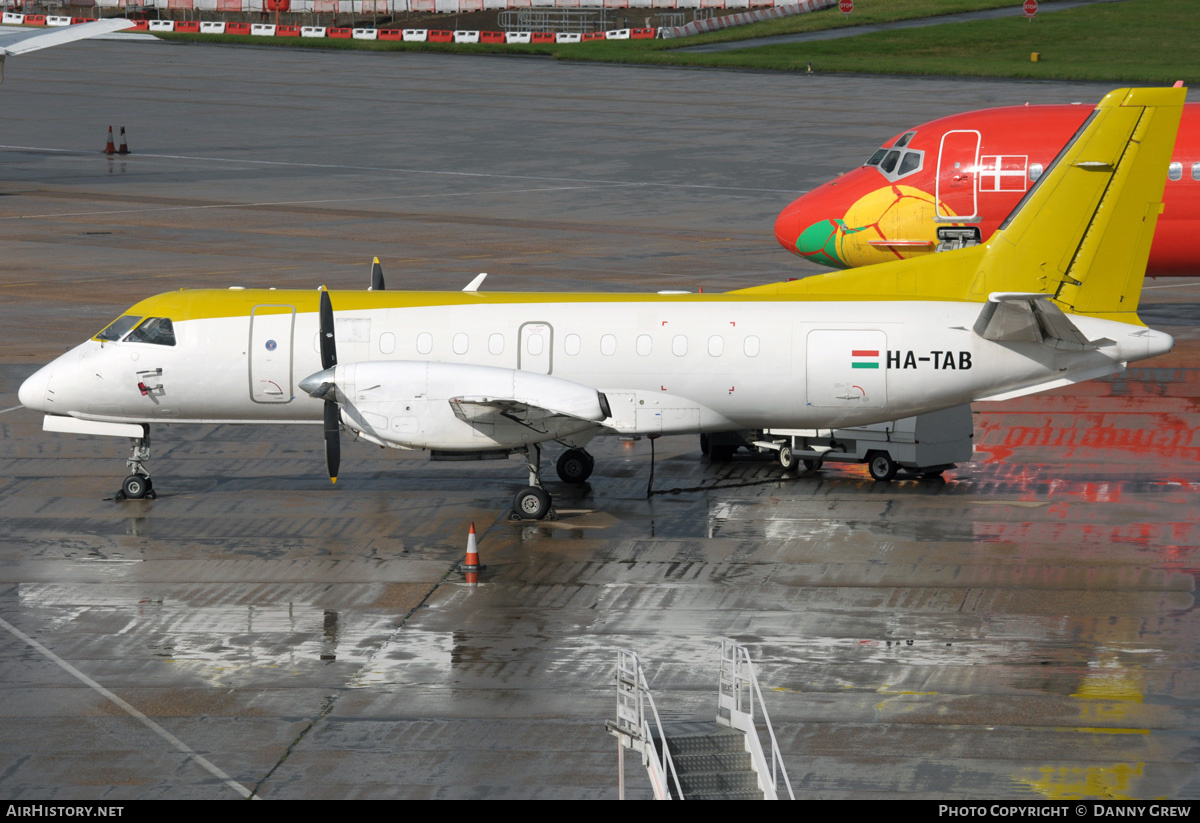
{"x": 787, "y": 457}
{"x": 882, "y": 466}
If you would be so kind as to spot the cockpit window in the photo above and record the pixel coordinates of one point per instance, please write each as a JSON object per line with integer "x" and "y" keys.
{"x": 876, "y": 157}
{"x": 116, "y": 329}
{"x": 897, "y": 160}
{"x": 910, "y": 163}
{"x": 155, "y": 330}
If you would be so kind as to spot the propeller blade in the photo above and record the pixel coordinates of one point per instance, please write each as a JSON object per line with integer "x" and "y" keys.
{"x": 328, "y": 345}
{"x": 376, "y": 276}
{"x": 333, "y": 440}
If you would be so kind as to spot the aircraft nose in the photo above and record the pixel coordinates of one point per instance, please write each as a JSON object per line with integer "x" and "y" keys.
{"x": 810, "y": 227}
{"x": 32, "y": 393}
{"x": 787, "y": 227}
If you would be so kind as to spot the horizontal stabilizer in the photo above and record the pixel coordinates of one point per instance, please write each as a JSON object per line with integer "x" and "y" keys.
{"x": 1028, "y": 317}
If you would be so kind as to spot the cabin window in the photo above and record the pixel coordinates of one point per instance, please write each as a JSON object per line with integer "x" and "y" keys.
{"x": 496, "y": 344}
{"x": 534, "y": 344}
{"x": 1175, "y": 171}
{"x": 716, "y": 345}
{"x": 608, "y": 345}
{"x": 460, "y": 342}
{"x": 157, "y": 331}
{"x": 644, "y": 344}
{"x": 1196, "y": 171}
{"x": 679, "y": 345}
{"x": 424, "y": 343}
{"x": 387, "y": 343}
{"x": 117, "y": 329}
{"x": 751, "y": 346}
{"x": 1035, "y": 171}
{"x": 571, "y": 344}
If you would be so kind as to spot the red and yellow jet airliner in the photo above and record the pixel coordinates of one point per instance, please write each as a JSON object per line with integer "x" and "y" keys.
{"x": 952, "y": 181}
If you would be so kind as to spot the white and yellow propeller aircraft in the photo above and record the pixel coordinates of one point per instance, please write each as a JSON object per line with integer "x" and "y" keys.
{"x": 1051, "y": 299}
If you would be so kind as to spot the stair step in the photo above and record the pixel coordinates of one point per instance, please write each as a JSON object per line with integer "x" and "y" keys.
{"x": 717, "y": 782}
{"x": 727, "y": 796}
{"x": 702, "y": 738}
{"x": 713, "y": 762}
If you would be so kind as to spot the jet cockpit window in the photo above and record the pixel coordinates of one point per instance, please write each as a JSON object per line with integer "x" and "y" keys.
{"x": 898, "y": 161}
{"x": 155, "y": 330}
{"x": 876, "y": 158}
{"x": 118, "y": 328}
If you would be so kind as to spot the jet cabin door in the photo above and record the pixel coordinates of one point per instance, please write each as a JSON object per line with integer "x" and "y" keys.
{"x": 271, "y": 353}
{"x": 957, "y": 183}
{"x": 536, "y": 343}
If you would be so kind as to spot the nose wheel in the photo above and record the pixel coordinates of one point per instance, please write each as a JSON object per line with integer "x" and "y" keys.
{"x": 138, "y": 485}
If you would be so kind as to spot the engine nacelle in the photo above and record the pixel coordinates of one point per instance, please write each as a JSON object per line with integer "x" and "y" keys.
{"x": 457, "y": 407}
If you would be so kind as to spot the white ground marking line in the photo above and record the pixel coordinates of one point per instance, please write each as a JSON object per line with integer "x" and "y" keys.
{"x": 400, "y": 170}
{"x": 179, "y": 745}
{"x": 305, "y": 202}
{"x": 1172, "y": 286}
{"x": 10, "y": 408}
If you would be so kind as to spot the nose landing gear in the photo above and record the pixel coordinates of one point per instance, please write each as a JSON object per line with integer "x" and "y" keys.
{"x": 138, "y": 485}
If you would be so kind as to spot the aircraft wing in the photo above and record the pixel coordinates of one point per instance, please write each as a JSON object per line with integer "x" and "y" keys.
{"x": 22, "y": 40}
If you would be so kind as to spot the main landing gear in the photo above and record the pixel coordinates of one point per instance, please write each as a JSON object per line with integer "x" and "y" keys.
{"x": 533, "y": 502}
{"x": 138, "y": 485}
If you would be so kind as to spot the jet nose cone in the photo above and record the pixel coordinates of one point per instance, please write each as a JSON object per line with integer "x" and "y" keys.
{"x": 32, "y": 393}
{"x": 787, "y": 228}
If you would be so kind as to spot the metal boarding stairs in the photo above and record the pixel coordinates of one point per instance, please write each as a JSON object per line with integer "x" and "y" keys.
{"x": 722, "y": 759}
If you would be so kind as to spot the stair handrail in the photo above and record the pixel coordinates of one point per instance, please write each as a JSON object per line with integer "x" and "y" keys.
{"x": 737, "y": 674}
{"x": 661, "y": 765}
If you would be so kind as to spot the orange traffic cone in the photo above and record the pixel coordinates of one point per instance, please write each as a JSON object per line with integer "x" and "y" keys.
{"x": 124, "y": 146}
{"x": 471, "y": 564}
{"x": 110, "y": 148}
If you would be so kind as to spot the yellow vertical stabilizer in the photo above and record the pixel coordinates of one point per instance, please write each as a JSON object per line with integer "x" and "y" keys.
{"x": 1082, "y": 233}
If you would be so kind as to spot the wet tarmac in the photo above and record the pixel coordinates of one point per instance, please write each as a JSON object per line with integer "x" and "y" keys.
{"x": 1024, "y": 628}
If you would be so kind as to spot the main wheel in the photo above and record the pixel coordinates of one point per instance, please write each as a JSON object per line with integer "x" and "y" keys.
{"x": 882, "y": 466}
{"x": 811, "y": 465}
{"x": 575, "y": 466}
{"x": 135, "y": 486}
{"x": 721, "y": 454}
{"x": 933, "y": 473}
{"x": 531, "y": 503}
{"x": 787, "y": 457}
